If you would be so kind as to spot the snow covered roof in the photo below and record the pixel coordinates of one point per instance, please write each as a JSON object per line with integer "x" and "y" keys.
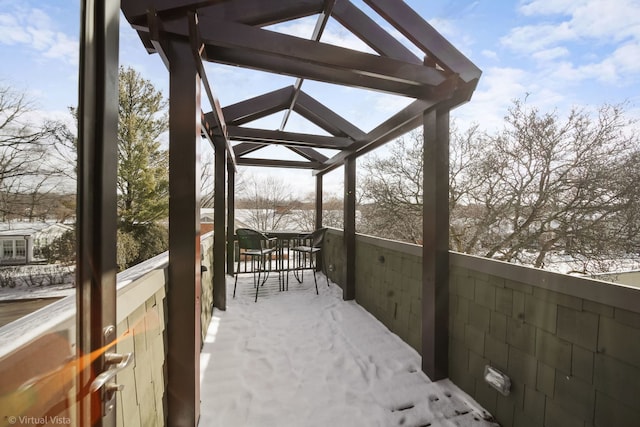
{"x": 22, "y": 228}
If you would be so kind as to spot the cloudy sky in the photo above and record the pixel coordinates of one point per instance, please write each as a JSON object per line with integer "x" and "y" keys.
{"x": 557, "y": 53}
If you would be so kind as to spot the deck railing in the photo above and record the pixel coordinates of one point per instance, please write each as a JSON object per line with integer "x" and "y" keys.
{"x": 37, "y": 352}
{"x": 570, "y": 345}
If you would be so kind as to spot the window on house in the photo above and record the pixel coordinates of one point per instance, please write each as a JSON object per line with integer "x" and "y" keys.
{"x": 21, "y": 248}
{"x": 7, "y": 249}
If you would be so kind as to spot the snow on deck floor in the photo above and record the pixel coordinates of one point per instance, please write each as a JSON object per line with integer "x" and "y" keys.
{"x": 298, "y": 359}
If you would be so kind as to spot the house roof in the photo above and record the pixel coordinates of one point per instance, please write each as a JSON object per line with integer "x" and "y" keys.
{"x": 18, "y": 228}
{"x": 236, "y": 32}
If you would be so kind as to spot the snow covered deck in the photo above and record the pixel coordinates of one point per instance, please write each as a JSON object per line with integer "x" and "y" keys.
{"x": 298, "y": 359}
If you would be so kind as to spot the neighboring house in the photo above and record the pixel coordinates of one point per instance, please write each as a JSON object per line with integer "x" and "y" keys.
{"x": 629, "y": 278}
{"x": 206, "y": 221}
{"x": 19, "y": 241}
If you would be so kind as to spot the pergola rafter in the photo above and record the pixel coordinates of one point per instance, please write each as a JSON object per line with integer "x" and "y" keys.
{"x": 257, "y": 107}
{"x": 371, "y": 33}
{"x": 424, "y": 36}
{"x": 321, "y": 24}
{"x": 231, "y": 32}
{"x": 326, "y": 118}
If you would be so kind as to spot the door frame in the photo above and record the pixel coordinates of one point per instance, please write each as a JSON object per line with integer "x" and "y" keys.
{"x": 96, "y": 265}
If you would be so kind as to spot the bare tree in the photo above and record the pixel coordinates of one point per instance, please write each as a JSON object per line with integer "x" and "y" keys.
{"x": 207, "y": 181}
{"x": 541, "y": 186}
{"x": 550, "y": 185}
{"x": 332, "y": 213}
{"x": 392, "y": 192}
{"x": 66, "y": 147}
{"x": 24, "y": 151}
{"x": 268, "y": 202}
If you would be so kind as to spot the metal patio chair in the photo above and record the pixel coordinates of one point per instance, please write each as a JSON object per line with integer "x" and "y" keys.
{"x": 258, "y": 247}
{"x": 309, "y": 246}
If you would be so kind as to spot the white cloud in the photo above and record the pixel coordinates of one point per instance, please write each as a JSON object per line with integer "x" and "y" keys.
{"x": 11, "y": 32}
{"x": 550, "y": 54}
{"x": 63, "y": 47}
{"x": 578, "y": 40}
{"x": 388, "y": 104}
{"x": 603, "y": 20}
{"x": 491, "y": 54}
{"x": 621, "y": 67}
{"x": 497, "y": 89}
{"x": 611, "y": 19}
{"x": 34, "y": 29}
{"x": 532, "y": 38}
{"x": 458, "y": 38}
{"x": 446, "y": 27}
{"x": 626, "y": 58}
{"x": 549, "y": 7}
{"x": 565, "y": 72}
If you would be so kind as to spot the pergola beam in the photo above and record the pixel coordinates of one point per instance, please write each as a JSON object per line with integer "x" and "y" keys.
{"x": 418, "y": 31}
{"x": 325, "y": 118}
{"x": 216, "y": 114}
{"x": 239, "y": 44}
{"x": 246, "y": 148}
{"x": 272, "y": 102}
{"x": 209, "y": 133}
{"x": 137, "y": 10}
{"x": 293, "y": 139}
{"x": 309, "y": 154}
{"x": 371, "y": 33}
{"x": 251, "y": 12}
{"x": 257, "y": 107}
{"x": 408, "y": 118}
{"x": 247, "y": 40}
{"x": 243, "y": 161}
{"x": 261, "y": 13}
{"x": 321, "y": 23}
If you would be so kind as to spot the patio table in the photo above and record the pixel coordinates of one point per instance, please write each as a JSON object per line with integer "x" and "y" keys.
{"x": 284, "y": 239}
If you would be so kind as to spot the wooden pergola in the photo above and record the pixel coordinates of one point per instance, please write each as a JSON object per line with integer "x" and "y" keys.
{"x": 187, "y": 33}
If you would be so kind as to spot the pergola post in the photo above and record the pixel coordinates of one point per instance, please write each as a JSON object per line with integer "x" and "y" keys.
{"x": 318, "y": 219}
{"x": 219, "y": 216}
{"x": 183, "y": 295}
{"x": 231, "y": 213}
{"x": 435, "y": 248}
{"x": 349, "y": 291}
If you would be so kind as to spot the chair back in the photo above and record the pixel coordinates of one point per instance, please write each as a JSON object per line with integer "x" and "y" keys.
{"x": 317, "y": 237}
{"x": 250, "y": 239}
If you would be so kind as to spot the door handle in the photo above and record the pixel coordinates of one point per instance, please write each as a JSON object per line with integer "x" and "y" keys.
{"x": 116, "y": 363}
